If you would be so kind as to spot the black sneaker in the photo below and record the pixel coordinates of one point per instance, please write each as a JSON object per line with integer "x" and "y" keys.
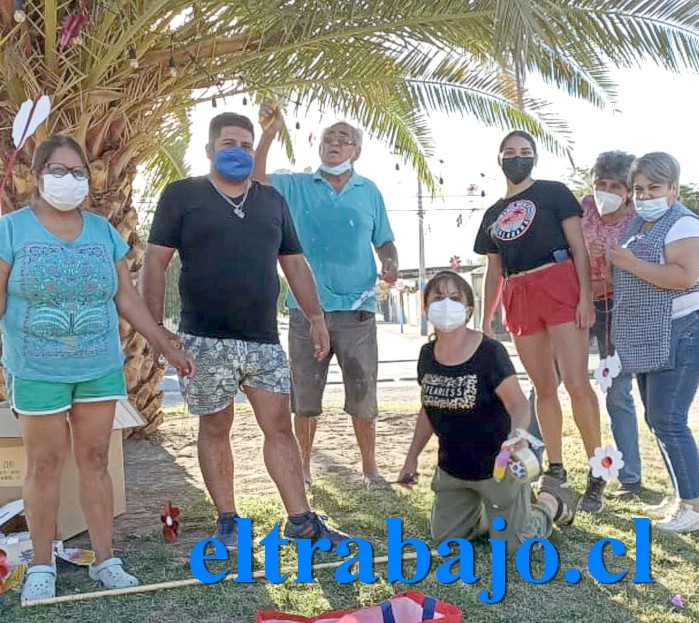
{"x": 313, "y": 528}
{"x": 227, "y": 531}
{"x": 627, "y": 491}
{"x": 592, "y": 500}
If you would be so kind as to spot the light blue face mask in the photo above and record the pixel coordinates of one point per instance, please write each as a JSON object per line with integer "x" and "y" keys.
{"x": 338, "y": 169}
{"x": 651, "y": 209}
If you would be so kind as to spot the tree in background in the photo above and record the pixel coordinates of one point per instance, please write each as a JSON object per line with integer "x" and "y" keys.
{"x": 579, "y": 180}
{"x": 689, "y": 196}
{"x": 122, "y": 75}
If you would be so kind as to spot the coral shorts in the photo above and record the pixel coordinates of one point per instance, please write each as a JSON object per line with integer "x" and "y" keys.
{"x": 544, "y": 298}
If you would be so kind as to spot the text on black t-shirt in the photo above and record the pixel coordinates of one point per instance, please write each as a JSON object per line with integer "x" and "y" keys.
{"x": 465, "y": 412}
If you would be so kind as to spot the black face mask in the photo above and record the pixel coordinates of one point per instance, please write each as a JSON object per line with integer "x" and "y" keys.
{"x": 517, "y": 169}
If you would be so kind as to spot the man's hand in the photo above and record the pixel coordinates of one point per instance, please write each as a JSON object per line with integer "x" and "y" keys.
{"x": 181, "y": 361}
{"x": 389, "y": 271}
{"x": 320, "y": 337}
{"x": 172, "y": 338}
{"x": 271, "y": 118}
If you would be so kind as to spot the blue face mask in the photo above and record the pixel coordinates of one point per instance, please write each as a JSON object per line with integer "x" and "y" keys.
{"x": 651, "y": 209}
{"x": 338, "y": 169}
{"x": 234, "y": 163}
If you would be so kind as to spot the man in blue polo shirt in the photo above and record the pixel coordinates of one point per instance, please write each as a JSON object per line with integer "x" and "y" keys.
{"x": 340, "y": 218}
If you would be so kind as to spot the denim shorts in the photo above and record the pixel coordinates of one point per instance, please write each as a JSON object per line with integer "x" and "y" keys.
{"x": 226, "y": 365}
{"x": 46, "y": 398}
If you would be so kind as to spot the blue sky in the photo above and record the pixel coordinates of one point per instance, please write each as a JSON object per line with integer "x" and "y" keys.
{"x": 655, "y": 111}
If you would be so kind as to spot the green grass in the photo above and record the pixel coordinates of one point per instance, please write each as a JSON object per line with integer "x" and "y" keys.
{"x": 675, "y": 563}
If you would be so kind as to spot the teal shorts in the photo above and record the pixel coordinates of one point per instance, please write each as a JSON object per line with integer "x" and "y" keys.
{"x": 46, "y": 398}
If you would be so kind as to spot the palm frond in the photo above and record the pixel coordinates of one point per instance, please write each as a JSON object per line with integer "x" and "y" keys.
{"x": 168, "y": 164}
{"x": 386, "y": 62}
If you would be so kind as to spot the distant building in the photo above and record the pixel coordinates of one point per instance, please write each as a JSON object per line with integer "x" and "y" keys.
{"x": 406, "y": 299}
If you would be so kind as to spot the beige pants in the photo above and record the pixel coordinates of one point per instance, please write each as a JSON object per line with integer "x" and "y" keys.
{"x": 466, "y": 508}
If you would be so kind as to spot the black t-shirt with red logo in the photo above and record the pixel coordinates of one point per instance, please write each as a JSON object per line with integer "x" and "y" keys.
{"x": 526, "y": 229}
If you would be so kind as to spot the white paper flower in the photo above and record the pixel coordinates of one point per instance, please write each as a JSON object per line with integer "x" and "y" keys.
{"x": 606, "y": 371}
{"x": 30, "y": 116}
{"x": 363, "y": 297}
{"x": 606, "y": 463}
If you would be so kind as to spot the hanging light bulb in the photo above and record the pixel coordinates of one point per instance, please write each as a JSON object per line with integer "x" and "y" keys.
{"x": 19, "y": 14}
{"x": 298, "y": 125}
{"x": 397, "y": 167}
{"x": 441, "y": 180}
{"x": 133, "y": 60}
{"x": 213, "y": 102}
{"x": 245, "y": 101}
{"x": 172, "y": 66}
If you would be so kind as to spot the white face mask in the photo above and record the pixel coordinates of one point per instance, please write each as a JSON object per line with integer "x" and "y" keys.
{"x": 338, "y": 169}
{"x": 652, "y": 209}
{"x": 447, "y": 315}
{"x": 607, "y": 203}
{"x": 64, "y": 193}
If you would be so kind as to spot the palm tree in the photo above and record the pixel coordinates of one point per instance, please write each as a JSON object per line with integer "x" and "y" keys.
{"x": 122, "y": 73}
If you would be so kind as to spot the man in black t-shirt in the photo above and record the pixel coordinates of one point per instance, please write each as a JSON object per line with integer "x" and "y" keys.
{"x": 230, "y": 232}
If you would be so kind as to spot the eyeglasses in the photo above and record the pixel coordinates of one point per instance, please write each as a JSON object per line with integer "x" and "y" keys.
{"x": 60, "y": 170}
{"x": 340, "y": 140}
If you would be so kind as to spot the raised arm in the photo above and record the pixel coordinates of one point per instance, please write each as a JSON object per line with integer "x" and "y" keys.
{"x": 272, "y": 122}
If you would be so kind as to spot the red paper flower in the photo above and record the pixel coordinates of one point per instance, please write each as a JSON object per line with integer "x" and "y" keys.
{"x": 4, "y": 567}
{"x": 169, "y": 516}
{"x": 72, "y": 26}
{"x": 4, "y": 572}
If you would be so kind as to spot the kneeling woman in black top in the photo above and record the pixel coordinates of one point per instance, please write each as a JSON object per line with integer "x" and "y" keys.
{"x": 472, "y": 401}
{"x": 537, "y": 260}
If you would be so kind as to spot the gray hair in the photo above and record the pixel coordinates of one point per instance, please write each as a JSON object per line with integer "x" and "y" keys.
{"x": 613, "y": 165}
{"x": 658, "y": 167}
{"x": 357, "y": 133}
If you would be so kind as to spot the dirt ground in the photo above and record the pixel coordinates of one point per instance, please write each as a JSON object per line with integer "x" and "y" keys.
{"x": 164, "y": 468}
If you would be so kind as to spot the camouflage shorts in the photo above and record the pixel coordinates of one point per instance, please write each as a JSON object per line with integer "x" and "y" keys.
{"x": 226, "y": 365}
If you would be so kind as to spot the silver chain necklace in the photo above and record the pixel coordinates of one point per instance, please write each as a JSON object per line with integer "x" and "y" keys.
{"x": 237, "y": 207}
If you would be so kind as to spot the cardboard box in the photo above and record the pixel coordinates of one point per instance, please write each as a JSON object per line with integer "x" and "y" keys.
{"x": 13, "y": 466}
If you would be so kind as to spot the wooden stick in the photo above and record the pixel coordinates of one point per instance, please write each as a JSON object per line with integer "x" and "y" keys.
{"x": 161, "y": 586}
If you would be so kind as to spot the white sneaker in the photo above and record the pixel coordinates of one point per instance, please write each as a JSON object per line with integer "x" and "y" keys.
{"x": 660, "y": 511}
{"x": 684, "y": 519}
